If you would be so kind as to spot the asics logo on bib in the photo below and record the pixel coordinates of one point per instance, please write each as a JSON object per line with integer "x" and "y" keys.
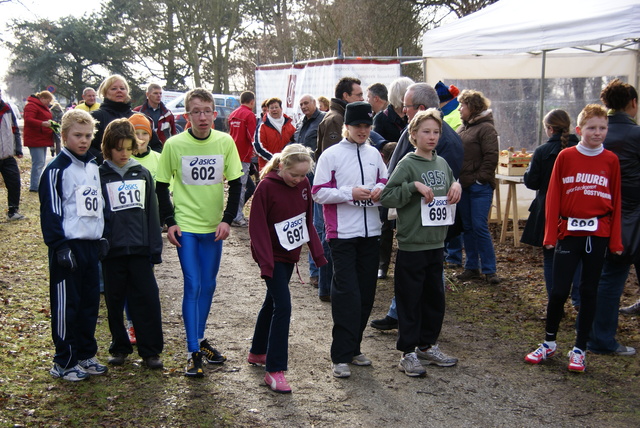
{"x": 127, "y": 186}
{"x": 292, "y": 224}
{"x": 438, "y": 203}
{"x": 197, "y": 161}
{"x": 89, "y": 191}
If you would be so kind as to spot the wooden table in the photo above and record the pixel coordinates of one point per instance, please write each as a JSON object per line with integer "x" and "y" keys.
{"x": 512, "y": 202}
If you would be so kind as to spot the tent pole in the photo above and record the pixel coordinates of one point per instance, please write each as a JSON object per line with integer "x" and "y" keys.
{"x": 542, "y": 82}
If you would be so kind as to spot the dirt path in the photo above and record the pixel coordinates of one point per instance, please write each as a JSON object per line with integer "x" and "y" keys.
{"x": 491, "y": 386}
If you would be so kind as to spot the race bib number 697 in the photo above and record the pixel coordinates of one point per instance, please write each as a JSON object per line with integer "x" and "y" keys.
{"x": 293, "y": 232}
{"x": 202, "y": 170}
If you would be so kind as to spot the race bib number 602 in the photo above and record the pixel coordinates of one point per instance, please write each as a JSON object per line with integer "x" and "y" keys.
{"x": 202, "y": 170}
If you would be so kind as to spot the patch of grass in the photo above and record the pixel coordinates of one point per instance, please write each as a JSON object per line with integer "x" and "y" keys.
{"x": 127, "y": 396}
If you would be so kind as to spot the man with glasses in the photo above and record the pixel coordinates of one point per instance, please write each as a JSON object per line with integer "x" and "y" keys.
{"x": 199, "y": 160}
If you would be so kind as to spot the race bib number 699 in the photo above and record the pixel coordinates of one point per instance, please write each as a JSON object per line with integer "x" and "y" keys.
{"x": 438, "y": 212}
{"x": 202, "y": 170}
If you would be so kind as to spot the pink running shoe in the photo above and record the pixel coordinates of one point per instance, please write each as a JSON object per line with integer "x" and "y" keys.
{"x": 542, "y": 353}
{"x": 576, "y": 362}
{"x": 277, "y": 382}
{"x": 257, "y": 359}
{"x": 132, "y": 335}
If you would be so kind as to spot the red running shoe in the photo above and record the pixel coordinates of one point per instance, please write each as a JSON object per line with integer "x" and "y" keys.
{"x": 542, "y": 353}
{"x": 277, "y": 382}
{"x": 257, "y": 359}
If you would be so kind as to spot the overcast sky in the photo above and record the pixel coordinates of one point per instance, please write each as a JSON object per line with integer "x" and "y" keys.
{"x": 36, "y": 9}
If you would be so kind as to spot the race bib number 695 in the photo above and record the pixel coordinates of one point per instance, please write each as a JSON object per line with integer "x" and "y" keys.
{"x": 202, "y": 170}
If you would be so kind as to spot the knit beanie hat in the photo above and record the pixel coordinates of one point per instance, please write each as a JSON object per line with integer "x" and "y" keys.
{"x": 140, "y": 121}
{"x": 357, "y": 113}
{"x": 446, "y": 94}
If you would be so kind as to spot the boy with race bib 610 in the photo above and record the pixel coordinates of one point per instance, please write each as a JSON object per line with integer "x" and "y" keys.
{"x": 199, "y": 160}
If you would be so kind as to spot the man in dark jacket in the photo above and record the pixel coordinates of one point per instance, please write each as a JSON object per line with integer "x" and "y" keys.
{"x": 10, "y": 147}
{"x": 163, "y": 121}
{"x": 421, "y": 96}
{"x": 307, "y": 130}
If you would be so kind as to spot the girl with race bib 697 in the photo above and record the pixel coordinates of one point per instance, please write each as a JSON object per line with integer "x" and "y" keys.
{"x": 281, "y": 222}
{"x": 424, "y": 191}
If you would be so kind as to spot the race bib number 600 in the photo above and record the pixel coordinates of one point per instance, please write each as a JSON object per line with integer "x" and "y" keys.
{"x": 293, "y": 232}
{"x": 124, "y": 195}
{"x": 88, "y": 201}
{"x": 438, "y": 212}
{"x": 202, "y": 170}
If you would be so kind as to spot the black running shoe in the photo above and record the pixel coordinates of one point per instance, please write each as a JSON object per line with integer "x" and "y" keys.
{"x": 194, "y": 365}
{"x": 211, "y": 354}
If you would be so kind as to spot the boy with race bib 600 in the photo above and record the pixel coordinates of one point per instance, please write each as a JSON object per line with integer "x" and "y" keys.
{"x": 582, "y": 221}
{"x": 281, "y": 222}
{"x": 132, "y": 227}
{"x": 199, "y": 160}
{"x": 424, "y": 191}
{"x": 72, "y": 223}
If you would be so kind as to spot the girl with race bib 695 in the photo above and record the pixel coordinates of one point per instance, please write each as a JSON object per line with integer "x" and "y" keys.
{"x": 281, "y": 222}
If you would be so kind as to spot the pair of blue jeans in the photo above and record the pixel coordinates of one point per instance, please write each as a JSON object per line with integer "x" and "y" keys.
{"x": 453, "y": 249}
{"x": 325, "y": 273}
{"x": 38, "y": 157}
{"x": 605, "y": 324}
{"x": 271, "y": 334}
{"x": 474, "y": 209}
{"x": 199, "y": 256}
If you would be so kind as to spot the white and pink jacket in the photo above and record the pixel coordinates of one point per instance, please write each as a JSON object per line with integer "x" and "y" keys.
{"x": 342, "y": 167}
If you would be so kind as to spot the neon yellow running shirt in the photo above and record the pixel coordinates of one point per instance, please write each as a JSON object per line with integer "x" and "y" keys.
{"x": 198, "y": 169}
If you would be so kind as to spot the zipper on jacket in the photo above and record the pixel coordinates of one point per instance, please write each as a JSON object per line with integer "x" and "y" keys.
{"x": 364, "y": 208}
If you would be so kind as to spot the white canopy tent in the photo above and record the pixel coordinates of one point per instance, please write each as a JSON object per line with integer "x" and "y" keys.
{"x": 538, "y": 39}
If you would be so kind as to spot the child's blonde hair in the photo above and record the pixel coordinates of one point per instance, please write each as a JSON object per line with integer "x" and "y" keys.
{"x": 591, "y": 111}
{"x": 290, "y": 156}
{"x": 78, "y": 116}
{"x": 421, "y": 116}
{"x": 115, "y": 133}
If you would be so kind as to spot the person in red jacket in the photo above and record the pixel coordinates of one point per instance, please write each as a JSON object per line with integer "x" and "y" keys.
{"x": 281, "y": 222}
{"x": 242, "y": 128}
{"x": 38, "y": 134}
{"x": 276, "y": 131}
{"x": 583, "y": 209}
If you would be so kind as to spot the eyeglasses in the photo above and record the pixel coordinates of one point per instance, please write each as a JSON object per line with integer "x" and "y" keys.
{"x": 207, "y": 113}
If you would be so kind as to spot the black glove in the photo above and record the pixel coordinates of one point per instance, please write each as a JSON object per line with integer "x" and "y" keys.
{"x": 66, "y": 259}
{"x": 103, "y": 248}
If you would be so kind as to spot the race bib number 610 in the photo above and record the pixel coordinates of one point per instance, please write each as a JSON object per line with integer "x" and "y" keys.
{"x": 124, "y": 195}
{"x": 202, "y": 170}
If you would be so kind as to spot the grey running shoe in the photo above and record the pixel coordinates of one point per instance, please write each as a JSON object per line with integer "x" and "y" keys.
{"x": 435, "y": 356}
{"x": 361, "y": 360}
{"x": 410, "y": 365}
{"x": 625, "y": 351}
{"x": 92, "y": 366}
{"x": 15, "y": 215}
{"x": 74, "y": 374}
{"x": 468, "y": 275}
{"x": 341, "y": 370}
{"x": 631, "y": 310}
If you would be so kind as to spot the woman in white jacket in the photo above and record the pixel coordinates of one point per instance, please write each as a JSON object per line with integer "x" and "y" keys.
{"x": 348, "y": 182}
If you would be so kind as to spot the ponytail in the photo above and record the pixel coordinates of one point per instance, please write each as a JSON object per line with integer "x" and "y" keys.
{"x": 291, "y": 155}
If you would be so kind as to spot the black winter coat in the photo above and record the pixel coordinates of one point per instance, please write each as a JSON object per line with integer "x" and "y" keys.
{"x": 537, "y": 178}
{"x": 107, "y": 113}
{"x": 623, "y": 139}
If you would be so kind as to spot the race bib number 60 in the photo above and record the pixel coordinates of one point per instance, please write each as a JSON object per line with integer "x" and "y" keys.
{"x": 88, "y": 201}
{"x": 202, "y": 170}
{"x": 293, "y": 232}
{"x": 438, "y": 212}
{"x": 124, "y": 195}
